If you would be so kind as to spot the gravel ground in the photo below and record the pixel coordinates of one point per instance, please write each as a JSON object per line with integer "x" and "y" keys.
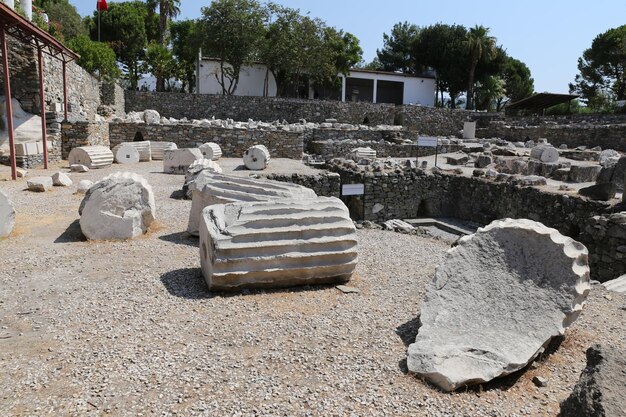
{"x": 130, "y": 329}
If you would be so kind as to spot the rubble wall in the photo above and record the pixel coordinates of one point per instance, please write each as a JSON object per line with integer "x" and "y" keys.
{"x": 607, "y": 136}
{"x": 327, "y": 184}
{"x": 83, "y": 88}
{"x": 266, "y": 109}
{"x": 234, "y": 142}
{"x": 74, "y": 135}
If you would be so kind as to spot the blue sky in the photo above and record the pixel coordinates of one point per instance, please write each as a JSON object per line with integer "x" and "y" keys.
{"x": 549, "y": 35}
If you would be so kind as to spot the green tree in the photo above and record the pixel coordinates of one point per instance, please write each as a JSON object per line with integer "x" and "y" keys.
{"x": 489, "y": 93}
{"x": 480, "y": 46}
{"x": 96, "y": 57}
{"x": 185, "y": 41}
{"x": 64, "y": 21}
{"x": 602, "y": 67}
{"x": 123, "y": 27}
{"x": 442, "y": 47}
{"x": 397, "y": 52}
{"x": 159, "y": 60}
{"x": 231, "y": 31}
{"x": 517, "y": 80}
{"x": 168, "y": 10}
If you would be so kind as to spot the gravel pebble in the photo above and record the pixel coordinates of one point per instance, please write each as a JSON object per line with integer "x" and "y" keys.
{"x": 129, "y": 328}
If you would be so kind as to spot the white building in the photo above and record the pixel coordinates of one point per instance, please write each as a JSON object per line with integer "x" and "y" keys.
{"x": 358, "y": 85}
{"x": 388, "y": 87}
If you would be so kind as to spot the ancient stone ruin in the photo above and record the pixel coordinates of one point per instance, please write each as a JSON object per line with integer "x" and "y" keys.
{"x": 120, "y": 206}
{"x": 211, "y": 188}
{"x": 143, "y": 148}
{"x": 7, "y": 215}
{"x": 277, "y": 243}
{"x": 256, "y": 158}
{"x": 496, "y": 302}
{"x": 195, "y": 169}
{"x": 211, "y": 150}
{"x": 92, "y": 157}
{"x": 158, "y": 149}
{"x": 177, "y": 161}
{"x": 125, "y": 153}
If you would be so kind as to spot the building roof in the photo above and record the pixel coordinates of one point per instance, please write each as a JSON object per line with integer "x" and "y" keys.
{"x": 399, "y": 74}
{"x": 27, "y": 32}
{"x": 540, "y": 101}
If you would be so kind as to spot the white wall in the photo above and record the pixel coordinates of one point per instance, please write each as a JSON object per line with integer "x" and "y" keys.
{"x": 417, "y": 90}
{"x": 251, "y": 80}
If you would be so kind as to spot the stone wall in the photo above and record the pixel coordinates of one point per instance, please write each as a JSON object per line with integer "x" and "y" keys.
{"x": 608, "y": 136}
{"x": 416, "y": 193}
{"x": 327, "y": 184}
{"x": 371, "y": 135}
{"x": 78, "y": 134}
{"x": 605, "y": 237}
{"x": 83, "y": 88}
{"x": 267, "y": 109}
{"x": 234, "y": 142}
{"x": 432, "y": 121}
{"x": 340, "y": 149}
{"x": 111, "y": 100}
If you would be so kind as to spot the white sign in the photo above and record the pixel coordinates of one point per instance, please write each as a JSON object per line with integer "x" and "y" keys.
{"x": 352, "y": 189}
{"x": 427, "y": 141}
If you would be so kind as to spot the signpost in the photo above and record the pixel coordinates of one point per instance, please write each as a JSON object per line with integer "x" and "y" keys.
{"x": 427, "y": 142}
{"x": 352, "y": 189}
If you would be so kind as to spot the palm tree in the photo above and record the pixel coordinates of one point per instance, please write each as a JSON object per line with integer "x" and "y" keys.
{"x": 479, "y": 45}
{"x": 168, "y": 10}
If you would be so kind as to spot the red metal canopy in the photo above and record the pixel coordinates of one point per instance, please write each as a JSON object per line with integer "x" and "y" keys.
{"x": 26, "y": 32}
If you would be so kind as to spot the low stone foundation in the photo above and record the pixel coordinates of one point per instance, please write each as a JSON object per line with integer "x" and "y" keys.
{"x": 234, "y": 142}
{"x": 327, "y": 184}
{"x": 331, "y": 149}
{"x": 607, "y": 136}
{"x": 417, "y": 193}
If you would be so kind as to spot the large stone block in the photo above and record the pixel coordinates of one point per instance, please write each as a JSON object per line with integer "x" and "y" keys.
{"x": 177, "y": 161}
{"x": 39, "y": 184}
{"x": 126, "y": 154}
{"x": 143, "y": 148}
{"x": 92, "y": 157}
{"x": 600, "y": 390}
{"x": 587, "y": 173}
{"x": 158, "y": 148}
{"x": 277, "y": 243}
{"x": 7, "y": 215}
{"x": 195, "y": 169}
{"x": 496, "y": 301}
{"x": 211, "y": 150}
{"x": 212, "y": 188}
{"x": 545, "y": 153}
{"x": 120, "y": 206}
{"x": 256, "y": 158}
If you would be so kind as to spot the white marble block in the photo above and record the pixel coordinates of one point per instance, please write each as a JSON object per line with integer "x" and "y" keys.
{"x": 545, "y": 153}
{"x": 177, "y": 161}
{"x": 7, "y": 215}
{"x": 158, "y": 148}
{"x": 211, "y": 150}
{"x": 496, "y": 302}
{"x": 256, "y": 158}
{"x": 120, "y": 206}
{"x": 92, "y": 157}
{"x": 358, "y": 154}
{"x": 126, "y": 154}
{"x": 195, "y": 169}
{"x": 211, "y": 188}
{"x": 277, "y": 243}
{"x": 39, "y": 184}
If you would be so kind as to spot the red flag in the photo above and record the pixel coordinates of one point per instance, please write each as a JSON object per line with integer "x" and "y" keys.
{"x": 101, "y": 5}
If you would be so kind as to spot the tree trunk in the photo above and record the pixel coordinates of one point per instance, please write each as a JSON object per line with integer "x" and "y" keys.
{"x": 470, "y": 86}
